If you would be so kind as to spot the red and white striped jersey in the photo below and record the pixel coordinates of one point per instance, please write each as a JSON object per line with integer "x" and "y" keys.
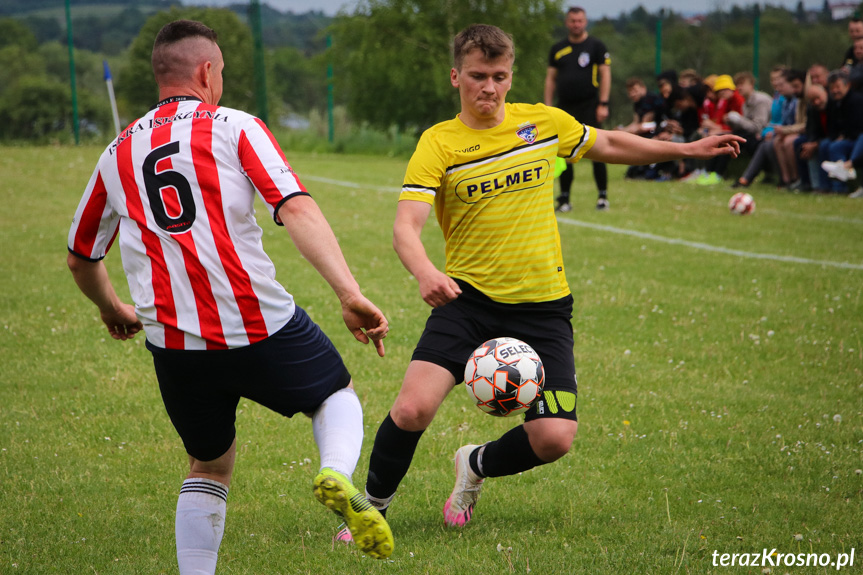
{"x": 179, "y": 185}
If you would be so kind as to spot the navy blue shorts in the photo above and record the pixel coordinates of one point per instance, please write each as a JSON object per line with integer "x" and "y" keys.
{"x": 292, "y": 371}
{"x": 453, "y": 331}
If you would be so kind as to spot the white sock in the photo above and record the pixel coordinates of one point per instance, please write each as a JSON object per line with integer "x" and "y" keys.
{"x": 199, "y": 525}
{"x": 338, "y": 428}
{"x": 378, "y": 503}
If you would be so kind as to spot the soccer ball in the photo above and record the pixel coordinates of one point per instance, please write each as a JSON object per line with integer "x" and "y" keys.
{"x": 504, "y": 376}
{"x": 741, "y": 203}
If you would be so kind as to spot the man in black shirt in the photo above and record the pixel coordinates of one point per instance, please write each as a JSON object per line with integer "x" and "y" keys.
{"x": 579, "y": 71}
{"x": 855, "y": 32}
{"x": 842, "y": 150}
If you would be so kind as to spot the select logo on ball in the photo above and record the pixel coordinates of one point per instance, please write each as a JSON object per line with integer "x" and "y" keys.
{"x": 504, "y": 376}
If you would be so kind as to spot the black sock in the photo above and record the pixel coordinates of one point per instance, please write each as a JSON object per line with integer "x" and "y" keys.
{"x": 600, "y": 176}
{"x": 508, "y": 455}
{"x": 391, "y": 457}
{"x": 566, "y": 184}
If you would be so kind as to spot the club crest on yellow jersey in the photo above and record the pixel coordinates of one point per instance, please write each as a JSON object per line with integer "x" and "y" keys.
{"x": 527, "y": 133}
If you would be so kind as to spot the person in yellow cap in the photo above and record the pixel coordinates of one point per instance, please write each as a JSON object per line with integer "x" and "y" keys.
{"x": 725, "y": 98}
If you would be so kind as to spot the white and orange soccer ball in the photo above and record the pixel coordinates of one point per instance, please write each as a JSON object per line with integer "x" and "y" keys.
{"x": 504, "y": 376}
{"x": 741, "y": 203}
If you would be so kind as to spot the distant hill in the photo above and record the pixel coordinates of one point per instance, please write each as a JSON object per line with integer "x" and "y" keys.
{"x": 16, "y": 7}
{"x": 109, "y": 26}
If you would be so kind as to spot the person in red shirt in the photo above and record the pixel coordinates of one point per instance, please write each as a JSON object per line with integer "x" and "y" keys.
{"x": 725, "y": 100}
{"x": 728, "y": 99}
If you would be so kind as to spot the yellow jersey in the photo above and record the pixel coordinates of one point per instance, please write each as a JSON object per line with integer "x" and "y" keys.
{"x": 493, "y": 194}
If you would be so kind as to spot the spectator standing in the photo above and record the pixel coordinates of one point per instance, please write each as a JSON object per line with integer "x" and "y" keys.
{"x": 855, "y": 32}
{"x": 579, "y": 72}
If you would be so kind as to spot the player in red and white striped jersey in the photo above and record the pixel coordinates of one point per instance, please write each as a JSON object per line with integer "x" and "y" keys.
{"x": 177, "y": 187}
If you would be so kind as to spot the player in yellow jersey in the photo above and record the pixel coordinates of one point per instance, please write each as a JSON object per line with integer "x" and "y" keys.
{"x": 488, "y": 174}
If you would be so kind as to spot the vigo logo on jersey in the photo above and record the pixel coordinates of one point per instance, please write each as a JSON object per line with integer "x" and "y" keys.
{"x": 514, "y": 179}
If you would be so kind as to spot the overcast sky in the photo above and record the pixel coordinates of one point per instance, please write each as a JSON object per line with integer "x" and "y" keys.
{"x": 595, "y": 8}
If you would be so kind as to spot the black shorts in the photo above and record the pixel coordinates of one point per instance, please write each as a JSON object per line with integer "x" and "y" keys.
{"x": 292, "y": 371}
{"x": 455, "y": 330}
{"x": 584, "y": 112}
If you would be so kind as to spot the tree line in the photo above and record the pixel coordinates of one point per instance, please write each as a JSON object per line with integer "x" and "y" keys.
{"x": 390, "y": 59}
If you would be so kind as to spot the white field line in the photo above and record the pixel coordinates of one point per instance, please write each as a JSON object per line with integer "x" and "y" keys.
{"x": 708, "y": 247}
{"x": 811, "y": 217}
{"x": 353, "y": 185}
{"x": 633, "y": 233}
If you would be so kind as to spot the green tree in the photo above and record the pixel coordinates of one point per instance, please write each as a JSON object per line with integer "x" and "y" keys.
{"x": 800, "y": 12}
{"x": 297, "y": 81}
{"x": 392, "y": 57}
{"x": 137, "y": 87}
{"x": 39, "y": 108}
{"x": 14, "y": 33}
{"x": 826, "y": 14}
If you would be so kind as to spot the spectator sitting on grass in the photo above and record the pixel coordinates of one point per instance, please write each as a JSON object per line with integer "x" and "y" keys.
{"x": 794, "y": 124}
{"x": 681, "y": 117}
{"x": 843, "y": 144}
{"x": 647, "y": 108}
{"x": 756, "y": 110}
{"x": 726, "y": 100}
{"x": 648, "y": 111}
{"x": 806, "y": 145}
{"x": 817, "y": 74}
{"x": 764, "y": 155}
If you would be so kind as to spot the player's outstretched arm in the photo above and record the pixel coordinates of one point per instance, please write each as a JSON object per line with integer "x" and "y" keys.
{"x": 436, "y": 288}
{"x": 315, "y": 240}
{"x": 618, "y": 147}
{"x": 92, "y": 279}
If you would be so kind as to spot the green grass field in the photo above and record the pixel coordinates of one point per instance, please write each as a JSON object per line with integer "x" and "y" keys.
{"x": 721, "y": 404}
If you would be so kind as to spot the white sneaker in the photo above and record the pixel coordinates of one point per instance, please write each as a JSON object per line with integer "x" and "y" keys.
{"x": 693, "y": 175}
{"x": 829, "y": 167}
{"x": 838, "y": 171}
{"x": 458, "y": 509}
{"x": 858, "y": 193}
{"x": 563, "y": 208}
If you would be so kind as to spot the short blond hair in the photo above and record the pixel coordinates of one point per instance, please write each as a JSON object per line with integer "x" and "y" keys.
{"x": 490, "y": 40}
